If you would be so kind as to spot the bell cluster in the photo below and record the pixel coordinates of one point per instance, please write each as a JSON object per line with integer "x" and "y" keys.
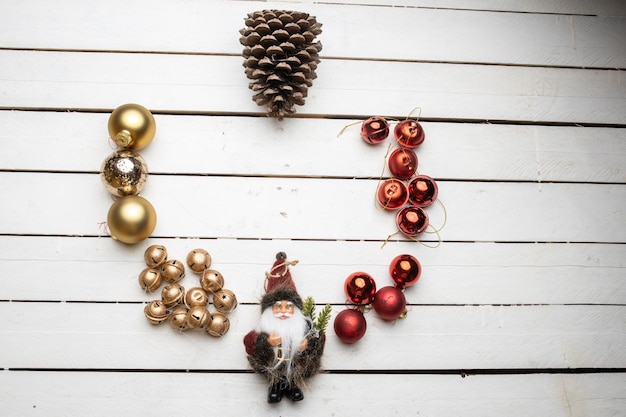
{"x": 186, "y": 309}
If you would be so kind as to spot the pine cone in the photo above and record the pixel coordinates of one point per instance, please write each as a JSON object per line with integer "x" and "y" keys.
{"x": 280, "y": 58}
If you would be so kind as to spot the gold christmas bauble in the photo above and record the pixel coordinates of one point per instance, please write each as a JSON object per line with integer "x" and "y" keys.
{"x": 198, "y": 317}
{"x": 155, "y": 311}
{"x": 131, "y": 219}
{"x": 173, "y": 270}
{"x": 124, "y": 172}
{"x": 219, "y": 325}
{"x": 196, "y": 297}
{"x": 172, "y": 294}
{"x": 132, "y": 126}
{"x": 198, "y": 260}
{"x": 150, "y": 279}
{"x": 211, "y": 281}
{"x": 224, "y": 301}
{"x": 178, "y": 318}
{"x": 155, "y": 255}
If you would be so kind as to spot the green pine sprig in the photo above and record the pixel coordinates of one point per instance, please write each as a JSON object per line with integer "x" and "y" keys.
{"x": 320, "y": 321}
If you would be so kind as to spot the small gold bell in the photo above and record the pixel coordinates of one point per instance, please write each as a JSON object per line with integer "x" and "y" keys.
{"x": 155, "y": 311}
{"x": 178, "y": 318}
{"x": 155, "y": 255}
{"x": 219, "y": 325}
{"x": 173, "y": 270}
{"x": 198, "y": 260}
{"x": 172, "y": 294}
{"x": 224, "y": 301}
{"x": 196, "y": 296}
{"x": 198, "y": 317}
{"x": 211, "y": 281}
{"x": 132, "y": 126}
{"x": 150, "y": 279}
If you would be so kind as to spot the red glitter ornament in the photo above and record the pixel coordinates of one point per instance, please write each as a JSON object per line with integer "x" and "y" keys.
{"x": 423, "y": 190}
{"x": 389, "y": 303}
{"x": 360, "y": 287}
{"x": 412, "y": 220}
{"x": 409, "y": 133}
{"x": 350, "y": 325}
{"x": 374, "y": 130}
{"x": 402, "y": 163}
{"x": 405, "y": 270}
{"x": 392, "y": 194}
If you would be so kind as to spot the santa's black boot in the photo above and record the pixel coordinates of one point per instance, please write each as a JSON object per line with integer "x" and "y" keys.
{"x": 294, "y": 393}
{"x": 275, "y": 393}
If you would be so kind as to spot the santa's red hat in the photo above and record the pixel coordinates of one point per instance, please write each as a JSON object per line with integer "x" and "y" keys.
{"x": 279, "y": 284}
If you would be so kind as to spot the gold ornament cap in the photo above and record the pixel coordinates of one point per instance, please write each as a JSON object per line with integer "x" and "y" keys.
{"x": 132, "y": 126}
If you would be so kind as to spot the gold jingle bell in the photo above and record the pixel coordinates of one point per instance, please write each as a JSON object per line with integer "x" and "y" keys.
{"x": 172, "y": 294}
{"x": 131, "y": 219}
{"x": 211, "y": 281}
{"x": 178, "y": 318}
{"x": 132, "y": 126}
{"x": 173, "y": 270}
{"x": 196, "y": 297}
{"x": 124, "y": 172}
{"x": 219, "y": 325}
{"x": 224, "y": 301}
{"x": 150, "y": 279}
{"x": 155, "y": 311}
{"x": 155, "y": 255}
{"x": 198, "y": 260}
{"x": 198, "y": 317}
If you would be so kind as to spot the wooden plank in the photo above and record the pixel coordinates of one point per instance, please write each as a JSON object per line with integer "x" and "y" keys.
{"x": 566, "y": 40}
{"x": 94, "y": 269}
{"x": 184, "y": 83}
{"x": 311, "y": 147}
{"x": 118, "y": 336}
{"x": 311, "y": 208}
{"x": 99, "y": 394}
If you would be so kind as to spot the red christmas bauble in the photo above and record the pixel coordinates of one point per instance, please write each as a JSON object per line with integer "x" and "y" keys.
{"x": 350, "y": 325}
{"x": 402, "y": 163}
{"x": 409, "y": 133}
{"x": 392, "y": 194}
{"x": 412, "y": 220}
{"x": 389, "y": 303}
{"x": 360, "y": 287}
{"x": 374, "y": 130}
{"x": 423, "y": 190}
{"x": 405, "y": 270}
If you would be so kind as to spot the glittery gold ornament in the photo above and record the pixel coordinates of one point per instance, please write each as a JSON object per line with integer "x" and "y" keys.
{"x": 150, "y": 279}
{"x": 131, "y": 219}
{"x": 224, "y": 301}
{"x": 178, "y": 318}
{"x": 198, "y": 317}
{"x": 196, "y": 296}
{"x": 124, "y": 172}
{"x": 172, "y": 294}
{"x": 155, "y": 255}
{"x": 198, "y": 260}
{"x": 132, "y": 126}
{"x": 155, "y": 311}
{"x": 219, "y": 325}
{"x": 173, "y": 270}
{"x": 211, "y": 280}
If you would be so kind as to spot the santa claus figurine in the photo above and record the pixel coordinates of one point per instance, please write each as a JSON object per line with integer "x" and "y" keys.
{"x": 287, "y": 345}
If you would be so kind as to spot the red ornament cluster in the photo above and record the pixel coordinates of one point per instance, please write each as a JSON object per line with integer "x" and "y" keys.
{"x": 389, "y": 302}
{"x": 404, "y": 191}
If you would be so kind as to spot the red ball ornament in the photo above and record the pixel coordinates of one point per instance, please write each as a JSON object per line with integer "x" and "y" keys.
{"x": 412, "y": 220}
{"x": 423, "y": 190}
{"x": 405, "y": 270}
{"x": 374, "y": 130}
{"x": 409, "y": 133}
{"x": 389, "y": 303}
{"x": 392, "y": 194}
{"x": 402, "y": 163}
{"x": 350, "y": 325}
{"x": 360, "y": 287}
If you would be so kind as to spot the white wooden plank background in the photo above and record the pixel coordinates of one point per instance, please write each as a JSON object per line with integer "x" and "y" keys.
{"x": 521, "y": 306}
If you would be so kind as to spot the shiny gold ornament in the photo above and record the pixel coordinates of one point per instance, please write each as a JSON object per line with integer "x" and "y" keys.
{"x": 173, "y": 270}
{"x": 123, "y": 173}
{"x": 178, "y": 318}
{"x": 224, "y": 301}
{"x": 155, "y": 311}
{"x": 211, "y": 281}
{"x": 150, "y": 279}
{"x": 198, "y": 260}
{"x": 196, "y": 297}
{"x": 219, "y": 325}
{"x": 172, "y": 294}
{"x": 131, "y": 219}
{"x": 132, "y": 126}
{"x": 198, "y": 317}
{"x": 155, "y": 255}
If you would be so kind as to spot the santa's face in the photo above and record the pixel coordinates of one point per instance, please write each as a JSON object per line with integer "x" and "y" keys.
{"x": 283, "y": 309}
